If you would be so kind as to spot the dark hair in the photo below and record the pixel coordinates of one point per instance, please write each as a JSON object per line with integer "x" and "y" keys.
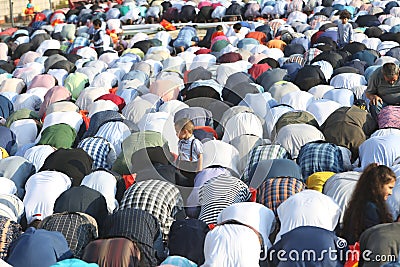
{"x": 344, "y": 14}
{"x": 237, "y": 26}
{"x": 390, "y": 69}
{"x": 219, "y": 28}
{"x": 97, "y": 22}
{"x": 368, "y": 189}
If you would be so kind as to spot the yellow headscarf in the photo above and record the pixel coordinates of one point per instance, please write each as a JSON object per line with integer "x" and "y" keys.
{"x": 317, "y": 180}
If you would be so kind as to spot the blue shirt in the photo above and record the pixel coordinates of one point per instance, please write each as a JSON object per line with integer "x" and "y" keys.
{"x": 38, "y": 248}
{"x": 345, "y": 34}
{"x": 185, "y": 37}
{"x": 314, "y": 246}
{"x": 186, "y": 150}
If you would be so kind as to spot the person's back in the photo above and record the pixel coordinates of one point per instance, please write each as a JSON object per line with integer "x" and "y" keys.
{"x": 185, "y": 37}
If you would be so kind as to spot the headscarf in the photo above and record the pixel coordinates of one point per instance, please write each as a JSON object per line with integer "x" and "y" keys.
{"x": 106, "y": 184}
{"x": 75, "y": 163}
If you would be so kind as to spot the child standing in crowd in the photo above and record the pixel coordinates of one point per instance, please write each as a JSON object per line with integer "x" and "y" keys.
{"x": 190, "y": 149}
{"x": 98, "y": 37}
{"x": 367, "y": 206}
{"x": 345, "y": 29}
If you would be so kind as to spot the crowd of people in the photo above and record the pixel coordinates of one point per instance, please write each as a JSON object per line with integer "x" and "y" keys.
{"x": 268, "y": 142}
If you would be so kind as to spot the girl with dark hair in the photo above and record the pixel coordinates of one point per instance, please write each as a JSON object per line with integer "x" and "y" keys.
{"x": 367, "y": 206}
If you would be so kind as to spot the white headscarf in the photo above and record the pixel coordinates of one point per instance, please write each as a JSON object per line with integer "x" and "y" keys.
{"x": 254, "y": 214}
{"x": 105, "y": 183}
{"x": 7, "y": 186}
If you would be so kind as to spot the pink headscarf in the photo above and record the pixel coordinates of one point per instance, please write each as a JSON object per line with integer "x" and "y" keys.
{"x": 166, "y": 89}
{"x": 57, "y": 93}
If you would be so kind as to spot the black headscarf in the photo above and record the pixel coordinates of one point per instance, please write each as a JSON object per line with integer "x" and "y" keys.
{"x": 75, "y": 163}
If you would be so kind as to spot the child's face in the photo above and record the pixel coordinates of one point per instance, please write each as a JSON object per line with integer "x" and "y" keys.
{"x": 96, "y": 27}
{"x": 345, "y": 20}
{"x": 183, "y": 134}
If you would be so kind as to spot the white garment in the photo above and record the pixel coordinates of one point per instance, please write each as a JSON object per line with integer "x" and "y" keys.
{"x": 7, "y": 186}
{"x": 172, "y": 106}
{"x": 218, "y": 12}
{"x": 114, "y": 132}
{"x": 4, "y": 51}
{"x": 28, "y": 101}
{"x": 272, "y": 116}
{"x": 163, "y": 123}
{"x": 90, "y": 73}
{"x": 105, "y": 183}
{"x": 164, "y": 37}
{"x": 109, "y": 58}
{"x": 87, "y": 53}
{"x": 231, "y": 245}
{"x": 387, "y": 131}
{"x": 59, "y": 74}
{"x": 372, "y": 43}
{"x": 386, "y": 59}
{"x": 227, "y": 69}
{"x": 42, "y": 190}
{"x": 348, "y": 80}
{"x": 13, "y": 85}
{"x": 386, "y": 46}
{"x": 4, "y": 264}
{"x": 281, "y": 88}
{"x": 308, "y": 208}
{"x": 241, "y": 124}
{"x": 136, "y": 109}
{"x": 293, "y": 136}
{"x": 25, "y": 131}
{"x": 87, "y": 96}
{"x": 101, "y": 105}
{"x": 220, "y": 153}
{"x": 274, "y": 53}
{"x": 344, "y": 97}
{"x": 244, "y": 144}
{"x": 326, "y": 68}
{"x": 380, "y": 149}
{"x": 48, "y": 44}
{"x": 98, "y": 64}
{"x": 38, "y": 154}
{"x": 240, "y": 35}
{"x": 39, "y": 92}
{"x": 299, "y": 100}
{"x": 174, "y": 64}
{"x": 105, "y": 79}
{"x": 322, "y": 109}
{"x": 258, "y": 102}
{"x": 340, "y": 187}
{"x": 203, "y": 60}
{"x": 254, "y": 214}
{"x": 188, "y": 57}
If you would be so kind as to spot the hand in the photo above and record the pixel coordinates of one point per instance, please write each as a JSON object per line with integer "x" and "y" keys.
{"x": 375, "y": 99}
